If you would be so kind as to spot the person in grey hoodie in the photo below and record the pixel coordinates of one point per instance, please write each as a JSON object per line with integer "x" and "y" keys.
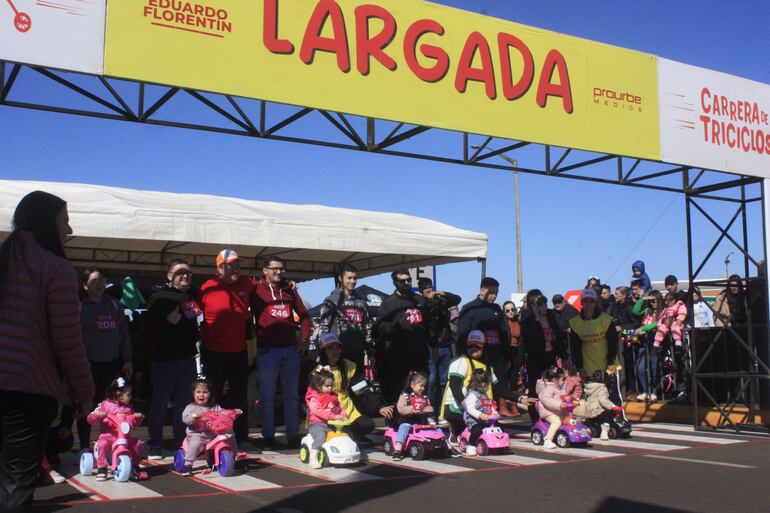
{"x": 107, "y": 340}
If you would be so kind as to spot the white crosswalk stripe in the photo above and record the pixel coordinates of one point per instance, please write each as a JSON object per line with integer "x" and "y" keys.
{"x": 340, "y": 475}
{"x": 435, "y": 467}
{"x": 685, "y": 438}
{"x": 587, "y": 452}
{"x": 238, "y": 483}
{"x": 515, "y": 459}
{"x": 668, "y": 427}
{"x": 112, "y": 489}
{"x": 634, "y": 444}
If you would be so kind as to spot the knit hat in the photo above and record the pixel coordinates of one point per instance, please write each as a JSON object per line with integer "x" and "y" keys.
{"x": 476, "y": 338}
{"x": 328, "y": 339}
{"x": 227, "y": 256}
{"x": 588, "y": 294}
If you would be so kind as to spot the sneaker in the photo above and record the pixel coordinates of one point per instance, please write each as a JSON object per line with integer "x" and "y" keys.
{"x": 631, "y": 396}
{"x": 398, "y": 456}
{"x": 548, "y": 444}
{"x": 653, "y": 398}
{"x": 56, "y": 478}
{"x": 470, "y": 450}
{"x": 155, "y": 453}
{"x": 249, "y": 445}
{"x": 101, "y": 474}
{"x": 453, "y": 440}
{"x": 142, "y": 476}
{"x": 268, "y": 443}
{"x": 187, "y": 470}
{"x": 293, "y": 442}
{"x": 454, "y": 453}
{"x": 443, "y": 423}
{"x": 641, "y": 397}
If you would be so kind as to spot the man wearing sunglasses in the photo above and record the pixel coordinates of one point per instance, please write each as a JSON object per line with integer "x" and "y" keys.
{"x": 402, "y": 330}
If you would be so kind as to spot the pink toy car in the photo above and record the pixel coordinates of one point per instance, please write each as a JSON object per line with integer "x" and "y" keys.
{"x": 422, "y": 439}
{"x": 219, "y": 451}
{"x": 121, "y": 456}
{"x": 492, "y": 439}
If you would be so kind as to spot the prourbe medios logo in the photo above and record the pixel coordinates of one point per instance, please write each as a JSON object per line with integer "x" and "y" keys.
{"x": 617, "y": 99}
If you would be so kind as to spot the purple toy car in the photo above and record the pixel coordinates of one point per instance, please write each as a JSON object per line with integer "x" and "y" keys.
{"x": 571, "y": 431}
{"x": 422, "y": 439}
{"x": 492, "y": 439}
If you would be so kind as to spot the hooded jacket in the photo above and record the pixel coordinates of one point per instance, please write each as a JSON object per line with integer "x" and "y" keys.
{"x": 489, "y": 318}
{"x": 274, "y": 308}
{"x": 646, "y": 285}
{"x": 172, "y": 341}
{"x": 323, "y": 407}
{"x": 348, "y": 318}
{"x": 597, "y": 400}
{"x": 105, "y": 330}
{"x": 549, "y": 394}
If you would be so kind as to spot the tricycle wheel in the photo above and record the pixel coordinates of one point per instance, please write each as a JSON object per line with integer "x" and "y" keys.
{"x": 537, "y": 437}
{"x": 387, "y": 447}
{"x": 417, "y": 451}
{"x": 562, "y": 439}
{"x": 304, "y": 454}
{"x": 613, "y": 433}
{"x": 86, "y": 463}
{"x": 482, "y": 449}
{"x": 226, "y": 462}
{"x": 123, "y": 469}
{"x": 323, "y": 458}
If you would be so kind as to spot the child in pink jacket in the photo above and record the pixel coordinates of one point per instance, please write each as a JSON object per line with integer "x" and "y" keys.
{"x": 549, "y": 391}
{"x": 573, "y": 383}
{"x": 118, "y": 402}
{"x": 672, "y": 321}
{"x": 323, "y": 406}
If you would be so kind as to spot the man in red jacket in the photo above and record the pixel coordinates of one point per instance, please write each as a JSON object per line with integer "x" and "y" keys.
{"x": 225, "y": 300}
{"x": 275, "y": 306}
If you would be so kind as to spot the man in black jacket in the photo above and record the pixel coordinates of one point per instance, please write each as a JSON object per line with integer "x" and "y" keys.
{"x": 402, "y": 333}
{"x": 626, "y": 323}
{"x": 440, "y": 336}
{"x": 485, "y": 315}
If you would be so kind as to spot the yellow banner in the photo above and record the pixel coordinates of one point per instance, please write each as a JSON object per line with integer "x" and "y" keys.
{"x": 402, "y": 60}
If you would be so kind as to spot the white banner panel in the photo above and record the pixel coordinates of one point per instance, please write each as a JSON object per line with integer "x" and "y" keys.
{"x": 713, "y": 120}
{"x": 64, "y": 34}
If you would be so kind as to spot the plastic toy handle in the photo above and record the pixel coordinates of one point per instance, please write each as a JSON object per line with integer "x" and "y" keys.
{"x": 494, "y": 417}
{"x": 340, "y": 422}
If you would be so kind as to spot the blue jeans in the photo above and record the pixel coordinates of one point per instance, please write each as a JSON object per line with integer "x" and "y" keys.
{"x": 641, "y": 368}
{"x": 438, "y": 373}
{"x": 274, "y": 363}
{"x": 172, "y": 380}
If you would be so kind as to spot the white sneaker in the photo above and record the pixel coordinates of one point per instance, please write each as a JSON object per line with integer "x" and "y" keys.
{"x": 653, "y": 398}
{"x": 56, "y": 477}
{"x": 605, "y": 432}
{"x": 470, "y": 450}
{"x": 443, "y": 423}
{"x": 548, "y": 444}
{"x": 641, "y": 397}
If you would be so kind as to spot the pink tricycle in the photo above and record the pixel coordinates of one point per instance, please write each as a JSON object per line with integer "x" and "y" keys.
{"x": 492, "y": 439}
{"x": 422, "y": 439}
{"x": 219, "y": 451}
{"x": 122, "y": 453}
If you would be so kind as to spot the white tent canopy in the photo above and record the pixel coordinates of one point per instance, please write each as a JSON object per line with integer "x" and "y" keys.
{"x": 138, "y": 231}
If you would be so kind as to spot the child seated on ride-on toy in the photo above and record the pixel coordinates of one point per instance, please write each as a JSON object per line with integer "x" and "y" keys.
{"x": 597, "y": 407}
{"x": 551, "y": 406}
{"x": 198, "y": 433}
{"x": 118, "y": 402}
{"x": 323, "y": 406}
{"x": 479, "y": 408}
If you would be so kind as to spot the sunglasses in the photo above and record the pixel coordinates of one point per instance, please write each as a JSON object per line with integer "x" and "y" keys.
{"x": 183, "y": 272}
{"x": 405, "y": 280}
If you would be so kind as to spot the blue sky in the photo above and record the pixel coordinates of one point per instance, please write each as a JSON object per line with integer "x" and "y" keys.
{"x": 570, "y": 229}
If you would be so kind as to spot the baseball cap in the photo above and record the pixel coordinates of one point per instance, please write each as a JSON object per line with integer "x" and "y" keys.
{"x": 588, "y": 294}
{"x": 328, "y": 339}
{"x": 227, "y": 256}
{"x": 476, "y": 338}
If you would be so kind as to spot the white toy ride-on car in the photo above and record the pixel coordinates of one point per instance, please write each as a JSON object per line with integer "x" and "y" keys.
{"x": 338, "y": 449}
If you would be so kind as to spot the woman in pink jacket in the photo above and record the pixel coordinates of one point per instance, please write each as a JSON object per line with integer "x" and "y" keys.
{"x": 549, "y": 390}
{"x": 44, "y": 360}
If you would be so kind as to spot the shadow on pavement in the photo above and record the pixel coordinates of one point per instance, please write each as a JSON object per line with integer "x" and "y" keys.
{"x": 615, "y": 504}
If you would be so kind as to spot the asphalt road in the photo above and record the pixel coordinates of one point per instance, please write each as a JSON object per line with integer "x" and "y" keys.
{"x": 662, "y": 468}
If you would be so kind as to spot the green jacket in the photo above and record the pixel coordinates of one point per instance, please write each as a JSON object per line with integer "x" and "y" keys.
{"x": 640, "y": 310}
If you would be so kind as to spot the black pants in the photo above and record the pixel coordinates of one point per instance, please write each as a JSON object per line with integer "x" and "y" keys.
{"x": 25, "y": 420}
{"x": 102, "y": 373}
{"x": 363, "y": 425}
{"x": 475, "y": 433}
{"x": 456, "y": 422}
{"x": 233, "y": 368}
{"x": 395, "y": 370}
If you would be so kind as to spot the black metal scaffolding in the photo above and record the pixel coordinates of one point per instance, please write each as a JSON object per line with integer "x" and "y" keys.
{"x": 139, "y": 102}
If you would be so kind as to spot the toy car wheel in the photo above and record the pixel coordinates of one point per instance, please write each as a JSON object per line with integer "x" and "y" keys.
{"x": 226, "y": 463}
{"x": 417, "y": 451}
{"x": 304, "y": 454}
{"x": 179, "y": 460}
{"x": 387, "y": 446}
{"x": 482, "y": 449}
{"x": 462, "y": 444}
{"x": 562, "y": 439}
{"x": 613, "y": 433}
{"x": 86, "y": 463}
{"x": 537, "y": 437}
{"x": 323, "y": 458}
{"x": 123, "y": 469}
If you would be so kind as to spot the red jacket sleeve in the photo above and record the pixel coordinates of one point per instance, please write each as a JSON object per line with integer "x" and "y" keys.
{"x": 304, "y": 318}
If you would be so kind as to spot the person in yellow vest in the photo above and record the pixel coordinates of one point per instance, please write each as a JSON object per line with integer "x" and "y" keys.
{"x": 460, "y": 372}
{"x": 594, "y": 342}
{"x": 352, "y": 389}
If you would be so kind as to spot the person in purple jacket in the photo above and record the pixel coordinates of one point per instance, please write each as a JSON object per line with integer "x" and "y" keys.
{"x": 44, "y": 360}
